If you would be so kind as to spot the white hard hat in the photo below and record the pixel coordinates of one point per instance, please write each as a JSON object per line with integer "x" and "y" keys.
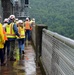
{"x": 16, "y": 19}
{"x": 20, "y": 21}
{"x": 12, "y": 17}
{"x": 27, "y": 18}
{"x": 6, "y": 20}
{"x": 33, "y": 19}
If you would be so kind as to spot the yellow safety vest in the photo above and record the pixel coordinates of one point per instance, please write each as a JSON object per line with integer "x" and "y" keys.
{"x": 0, "y": 39}
{"x": 21, "y": 32}
{"x": 5, "y": 38}
{"x": 9, "y": 31}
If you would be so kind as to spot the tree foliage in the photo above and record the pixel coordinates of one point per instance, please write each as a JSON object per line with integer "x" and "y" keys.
{"x": 57, "y": 14}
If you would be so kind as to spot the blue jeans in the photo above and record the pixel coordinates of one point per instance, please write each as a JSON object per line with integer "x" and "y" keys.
{"x": 27, "y": 34}
{"x": 21, "y": 45}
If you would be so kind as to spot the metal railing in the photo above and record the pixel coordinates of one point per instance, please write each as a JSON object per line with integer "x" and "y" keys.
{"x": 57, "y": 54}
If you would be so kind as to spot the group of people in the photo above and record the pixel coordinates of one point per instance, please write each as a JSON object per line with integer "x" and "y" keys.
{"x": 11, "y": 30}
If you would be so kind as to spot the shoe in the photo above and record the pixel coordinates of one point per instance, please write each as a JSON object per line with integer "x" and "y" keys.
{"x": 12, "y": 59}
{"x": 23, "y": 52}
{"x": 3, "y": 64}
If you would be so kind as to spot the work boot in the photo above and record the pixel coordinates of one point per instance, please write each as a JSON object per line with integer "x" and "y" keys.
{"x": 23, "y": 52}
{"x": 4, "y": 63}
{"x": 12, "y": 59}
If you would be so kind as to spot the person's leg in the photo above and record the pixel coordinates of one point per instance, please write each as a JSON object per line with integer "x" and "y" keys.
{"x": 22, "y": 45}
{"x": 19, "y": 46}
{"x": 20, "y": 51}
{"x": 4, "y": 49}
{"x": 12, "y": 52}
{"x": 26, "y": 43}
{"x": 19, "y": 43}
{"x": 8, "y": 48}
{"x": 28, "y": 35}
{"x": 2, "y": 57}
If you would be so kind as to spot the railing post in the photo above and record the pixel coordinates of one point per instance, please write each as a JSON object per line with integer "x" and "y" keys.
{"x": 39, "y": 28}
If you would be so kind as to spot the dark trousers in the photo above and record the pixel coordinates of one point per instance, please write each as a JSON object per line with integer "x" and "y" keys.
{"x": 7, "y": 45}
{"x": 12, "y": 49}
{"x": 28, "y": 35}
{"x": 1, "y": 55}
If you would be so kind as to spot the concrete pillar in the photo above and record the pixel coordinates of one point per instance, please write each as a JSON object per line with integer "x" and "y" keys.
{"x": 1, "y": 10}
{"x": 7, "y": 8}
{"x": 39, "y": 28}
{"x": 24, "y": 9}
{"x": 36, "y": 37}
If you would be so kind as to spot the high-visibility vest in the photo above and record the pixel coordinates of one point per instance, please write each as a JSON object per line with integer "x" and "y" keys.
{"x": 0, "y": 39}
{"x": 21, "y": 32}
{"x": 9, "y": 31}
{"x": 30, "y": 28}
{"x": 5, "y": 37}
{"x": 27, "y": 25}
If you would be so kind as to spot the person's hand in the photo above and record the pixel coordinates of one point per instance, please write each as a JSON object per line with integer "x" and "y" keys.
{"x": 3, "y": 42}
{"x": 19, "y": 36}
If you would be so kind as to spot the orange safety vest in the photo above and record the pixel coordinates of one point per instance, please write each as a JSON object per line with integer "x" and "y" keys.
{"x": 30, "y": 28}
{"x": 27, "y": 25}
{"x": 5, "y": 37}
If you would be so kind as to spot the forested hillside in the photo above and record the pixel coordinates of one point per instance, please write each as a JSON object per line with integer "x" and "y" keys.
{"x": 57, "y": 14}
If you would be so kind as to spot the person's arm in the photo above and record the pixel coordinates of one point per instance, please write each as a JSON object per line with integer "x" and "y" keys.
{"x": 16, "y": 30}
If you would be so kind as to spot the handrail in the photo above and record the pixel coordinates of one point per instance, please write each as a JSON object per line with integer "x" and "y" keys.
{"x": 64, "y": 39}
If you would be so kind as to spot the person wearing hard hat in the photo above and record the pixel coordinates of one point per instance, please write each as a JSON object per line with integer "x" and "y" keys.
{"x": 32, "y": 22}
{"x": 12, "y": 31}
{"x": 16, "y": 20}
{"x": 27, "y": 28}
{"x": 22, "y": 37}
{"x": 5, "y": 22}
{"x": 6, "y": 45}
{"x": 2, "y": 41}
